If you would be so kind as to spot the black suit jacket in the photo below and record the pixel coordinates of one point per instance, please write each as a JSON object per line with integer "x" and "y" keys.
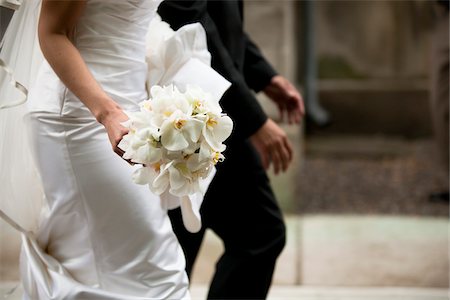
{"x": 233, "y": 53}
{"x": 445, "y": 3}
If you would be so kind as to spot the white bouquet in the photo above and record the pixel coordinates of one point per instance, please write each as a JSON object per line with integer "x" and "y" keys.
{"x": 177, "y": 137}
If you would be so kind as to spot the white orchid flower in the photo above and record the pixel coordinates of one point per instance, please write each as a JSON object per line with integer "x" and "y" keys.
{"x": 156, "y": 176}
{"x": 218, "y": 128}
{"x": 161, "y": 181}
{"x": 143, "y": 175}
{"x": 130, "y": 143}
{"x": 202, "y": 103}
{"x": 209, "y": 155}
{"x": 166, "y": 101}
{"x": 125, "y": 142}
{"x": 179, "y": 131}
{"x": 198, "y": 167}
{"x": 217, "y": 157}
{"x": 146, "y": 146}
{"x": 182, "y": 180}
{"x": 178, "y": 137}
{"x": 139, "y": 119}
{"x": 186, "y": 175}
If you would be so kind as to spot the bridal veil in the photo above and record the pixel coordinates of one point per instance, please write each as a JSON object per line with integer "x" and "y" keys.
{"x": 21, "y": 196}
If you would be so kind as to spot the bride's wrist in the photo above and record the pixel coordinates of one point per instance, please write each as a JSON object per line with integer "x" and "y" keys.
{"x": 104, "y": 115}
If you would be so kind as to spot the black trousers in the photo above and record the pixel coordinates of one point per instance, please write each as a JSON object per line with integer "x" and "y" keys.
{"x": 241, "y": 209}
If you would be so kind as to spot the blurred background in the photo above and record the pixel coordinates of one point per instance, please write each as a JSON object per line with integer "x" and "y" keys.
{"x": 362, "y": 198}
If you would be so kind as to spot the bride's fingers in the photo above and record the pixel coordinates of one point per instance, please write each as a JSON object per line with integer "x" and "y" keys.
{"x": 129, "y": 162}
{"x": 117, "y": 139}
{"x": 120, "y": 152}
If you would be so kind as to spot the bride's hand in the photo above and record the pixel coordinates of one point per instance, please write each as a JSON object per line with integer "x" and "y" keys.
{"x": 112, "y": 123}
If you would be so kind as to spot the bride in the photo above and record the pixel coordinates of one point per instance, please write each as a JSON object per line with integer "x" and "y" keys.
{"x": 103, "y": 237}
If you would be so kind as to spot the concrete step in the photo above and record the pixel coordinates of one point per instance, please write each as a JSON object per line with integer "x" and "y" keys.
{"x": 280, "y": 292}
{"x": 353, "y": 251}
{"x": 347, "y": 257}
{"x": 286, "y": 292}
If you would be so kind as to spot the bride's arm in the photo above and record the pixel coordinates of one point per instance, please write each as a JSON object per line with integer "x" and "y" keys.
{"x": 56, "y": 27}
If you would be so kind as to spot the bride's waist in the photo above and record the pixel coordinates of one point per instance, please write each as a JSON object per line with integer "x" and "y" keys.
{"x": 126, "y": 86}
{"x": 119, "y": 76}
{"x": 116, "y": 59}
{"x": 125, "y": 49}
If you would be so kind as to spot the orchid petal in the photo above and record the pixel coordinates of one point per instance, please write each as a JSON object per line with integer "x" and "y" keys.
{"x": 177, "y": 180}
{"x": 142, "y": 175}
{"x": 171, "y": 138}
{"x": 193, "y": 129}
{"x": 224, "y": 128}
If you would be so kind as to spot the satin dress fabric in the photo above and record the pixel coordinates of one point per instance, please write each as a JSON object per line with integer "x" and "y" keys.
{"x": 103, "y": 236}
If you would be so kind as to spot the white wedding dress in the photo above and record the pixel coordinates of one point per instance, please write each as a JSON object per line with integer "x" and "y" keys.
{"x": 103, "y": 237}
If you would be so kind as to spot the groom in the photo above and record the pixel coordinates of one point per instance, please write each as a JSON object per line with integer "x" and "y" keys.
{"x": 240, "y": 206}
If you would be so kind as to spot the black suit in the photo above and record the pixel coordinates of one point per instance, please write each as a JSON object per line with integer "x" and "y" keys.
{"x": 239, "y": 206}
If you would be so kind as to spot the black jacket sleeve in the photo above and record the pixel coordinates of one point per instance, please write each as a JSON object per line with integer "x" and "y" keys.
{"x": 444, "y": 3}
{"x": 257, "y": 70}
{"x": 238, "y": 101}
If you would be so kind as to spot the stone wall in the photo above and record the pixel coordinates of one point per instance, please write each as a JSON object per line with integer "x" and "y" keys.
{"x": 374, "y": 39}
{"x": 360, "y": 39}
{"x": 354, "y": 39}
{"x": 373, "y": 64}
{"x": 372, "y": 58}
{"x": 272, "y": 26}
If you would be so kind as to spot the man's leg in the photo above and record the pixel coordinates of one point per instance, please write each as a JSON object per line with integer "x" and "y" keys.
{"x": 242, "y": 210}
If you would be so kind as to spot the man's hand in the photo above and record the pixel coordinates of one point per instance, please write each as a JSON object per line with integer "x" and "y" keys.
{"x": 287, "y": 98}
{"x": 273, "y": 146}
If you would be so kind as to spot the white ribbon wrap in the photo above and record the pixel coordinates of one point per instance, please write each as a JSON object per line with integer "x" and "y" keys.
{"x": 182, "y": 58}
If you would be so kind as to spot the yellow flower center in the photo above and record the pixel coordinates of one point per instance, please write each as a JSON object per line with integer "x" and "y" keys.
{"x": 152, "y": 141}
{"x": 216, "y": 157}
{"x": 211, "y": 122}
{"x": 179, "y": 123}
{"x": 157, "y": 167}
{"x": 198, "y": 104}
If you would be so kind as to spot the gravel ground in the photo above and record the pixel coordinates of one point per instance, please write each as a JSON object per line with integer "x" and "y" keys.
{"x": 394, "y": 177}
